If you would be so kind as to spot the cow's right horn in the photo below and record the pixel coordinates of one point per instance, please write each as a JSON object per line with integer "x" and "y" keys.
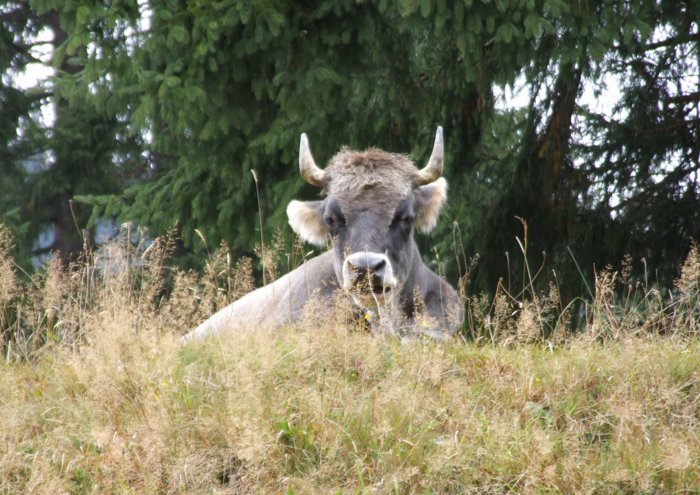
{"x": 307, "y": 165}
{"x": 433, "y": 170}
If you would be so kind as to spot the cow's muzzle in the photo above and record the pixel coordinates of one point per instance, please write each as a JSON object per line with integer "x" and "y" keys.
{"x": 367, "y": 273}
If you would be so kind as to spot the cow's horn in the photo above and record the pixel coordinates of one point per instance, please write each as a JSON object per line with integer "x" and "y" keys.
{"x": 307, "y": 165}
{"x": 433, "y": 170}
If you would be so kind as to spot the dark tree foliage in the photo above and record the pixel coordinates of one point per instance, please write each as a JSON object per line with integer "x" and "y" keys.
{"x": 172, "y": 103}
{"x": 594, "y": 187}
{"x": 46, "y": 165}
{"x": 18, "y": 110}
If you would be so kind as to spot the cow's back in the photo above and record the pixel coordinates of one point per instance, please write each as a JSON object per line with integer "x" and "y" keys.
{"x": 276, "y": 304}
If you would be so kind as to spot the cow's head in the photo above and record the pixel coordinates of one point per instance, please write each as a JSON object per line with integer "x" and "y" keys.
{"x": 373, "y": 202}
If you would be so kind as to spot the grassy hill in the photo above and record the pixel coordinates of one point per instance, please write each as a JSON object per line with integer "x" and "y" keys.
{"x": 98, "y": 395}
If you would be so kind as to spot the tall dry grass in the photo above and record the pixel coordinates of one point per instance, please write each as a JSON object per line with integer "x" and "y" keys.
{"x": 99, "y": 396}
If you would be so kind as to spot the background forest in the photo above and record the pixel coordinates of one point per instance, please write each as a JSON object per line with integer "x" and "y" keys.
{"x": 156, "y": 111}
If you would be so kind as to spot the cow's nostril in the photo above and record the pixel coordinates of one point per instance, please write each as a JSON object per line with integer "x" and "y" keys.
{"x": 354, "y": 268}
{"x": 378, "y": 265}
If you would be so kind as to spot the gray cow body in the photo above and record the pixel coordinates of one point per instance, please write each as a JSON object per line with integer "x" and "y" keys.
{"x": 276, "y": 304}
{"x": 282, "y": 303}
{"x": 373, "y": 202}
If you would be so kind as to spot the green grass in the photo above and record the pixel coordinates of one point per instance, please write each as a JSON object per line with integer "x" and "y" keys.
{"x": 336, "y": 412}
{"x": 98, "y": 396}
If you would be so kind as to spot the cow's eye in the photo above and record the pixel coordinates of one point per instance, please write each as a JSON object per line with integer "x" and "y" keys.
{"x": 334, "y": 222}
{"x": 403, "y": 221}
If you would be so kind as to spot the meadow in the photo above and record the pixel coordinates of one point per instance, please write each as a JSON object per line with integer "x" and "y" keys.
{"x": 98, "y": 395}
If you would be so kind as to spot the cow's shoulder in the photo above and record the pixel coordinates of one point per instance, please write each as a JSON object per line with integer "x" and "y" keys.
{"x": 315, "y": 275}
{"x": 438, "y": 299}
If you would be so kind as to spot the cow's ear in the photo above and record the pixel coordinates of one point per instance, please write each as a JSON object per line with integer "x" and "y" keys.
{"x": 427, "y": 202}
{"x": 306, "y": 219}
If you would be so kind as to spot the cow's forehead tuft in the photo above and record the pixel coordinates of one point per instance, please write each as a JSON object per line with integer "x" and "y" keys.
{"x": 373, "y": 172}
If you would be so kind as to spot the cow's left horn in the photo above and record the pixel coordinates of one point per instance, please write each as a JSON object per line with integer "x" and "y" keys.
{"x": 307, "y": 165}
{"x": 433, "y": 170}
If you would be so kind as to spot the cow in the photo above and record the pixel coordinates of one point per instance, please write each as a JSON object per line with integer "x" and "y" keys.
{"x": 372, "y": 202}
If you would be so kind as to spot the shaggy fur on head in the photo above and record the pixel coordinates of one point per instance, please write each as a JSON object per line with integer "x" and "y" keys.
{"x": 352, "y": 172}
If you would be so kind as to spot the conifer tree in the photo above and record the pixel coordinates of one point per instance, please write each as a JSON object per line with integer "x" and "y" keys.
{"x": 46, "y": 164}
{"x": 19, "y": 125}
{"x": 192, "y": 96}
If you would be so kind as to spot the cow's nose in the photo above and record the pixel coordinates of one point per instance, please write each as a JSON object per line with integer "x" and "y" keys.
{"x": 367, "y": 264}
{"x": 367, "y": 272}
